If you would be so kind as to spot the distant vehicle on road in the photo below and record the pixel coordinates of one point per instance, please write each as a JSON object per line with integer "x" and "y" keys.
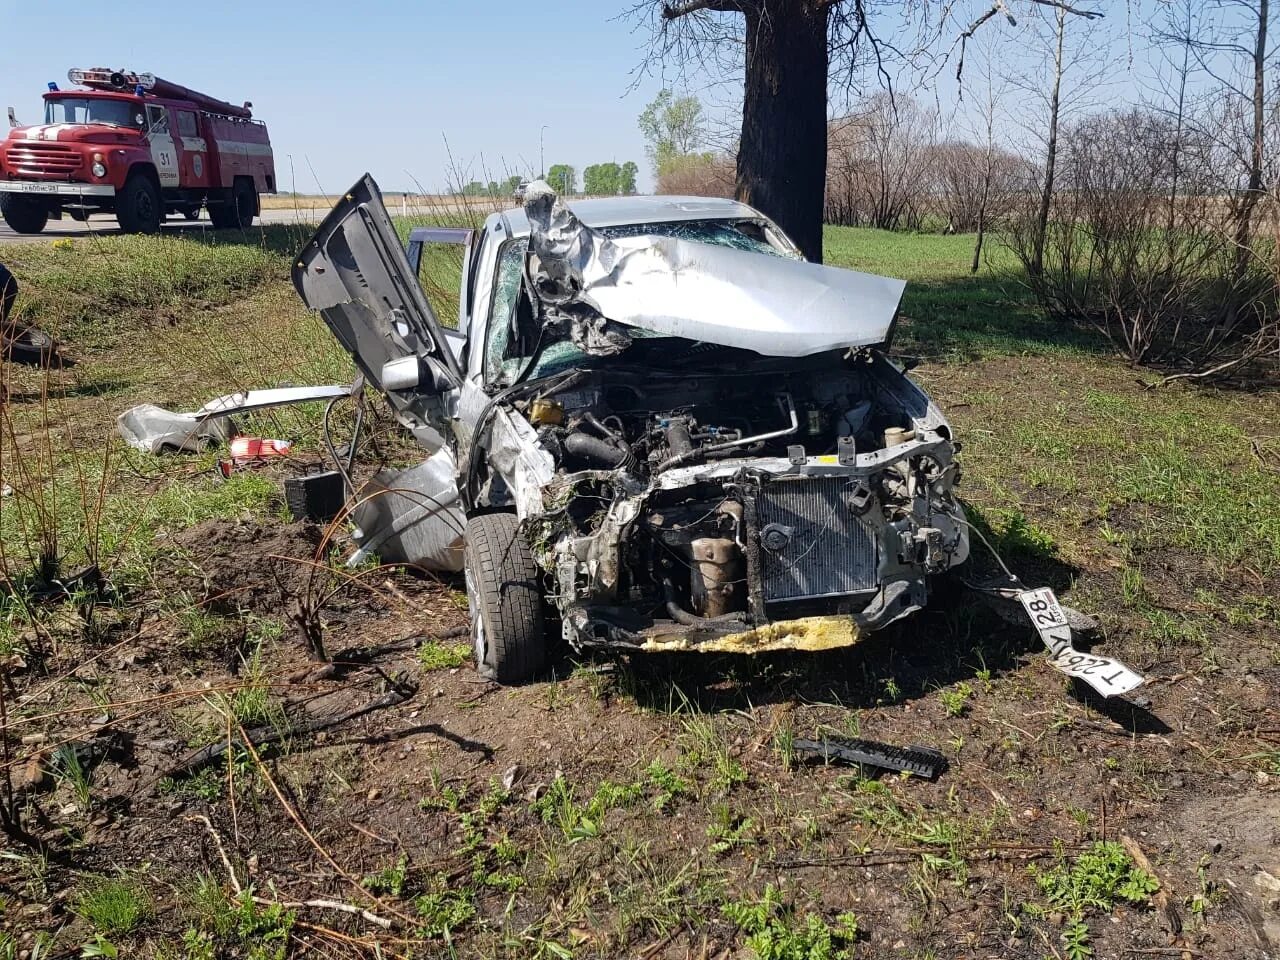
{"x": 139, "y": 147}
{"x": 519, "y": 191}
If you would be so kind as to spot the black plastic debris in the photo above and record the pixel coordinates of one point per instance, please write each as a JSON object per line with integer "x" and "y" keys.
{"x": 915, "y": 760}
{"x": 315, "y": 496}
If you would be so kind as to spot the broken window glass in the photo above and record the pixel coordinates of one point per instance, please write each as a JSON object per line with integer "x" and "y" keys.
{"x": 502, "y": 311}
{"x": 750, "y": 235}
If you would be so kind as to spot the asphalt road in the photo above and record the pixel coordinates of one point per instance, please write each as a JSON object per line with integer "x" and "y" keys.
{"x": 103, "y": 225}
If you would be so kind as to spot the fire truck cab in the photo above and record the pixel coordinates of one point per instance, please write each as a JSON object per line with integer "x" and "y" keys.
{"x": 139, "y": 147}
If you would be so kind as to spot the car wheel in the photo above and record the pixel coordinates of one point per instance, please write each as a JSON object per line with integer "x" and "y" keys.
{"x": 504, "y": 599}
{"x": 138, "y": 206}
{"x": 23, "y": 215}
{"x": 33, "y": 348}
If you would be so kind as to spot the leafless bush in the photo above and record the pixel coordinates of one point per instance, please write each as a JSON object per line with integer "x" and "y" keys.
{"x": 971, "y": 184}
{"x": 698, "y": 175}
{"x": 877, "y": 164}
{"x": 1140, "y": 244}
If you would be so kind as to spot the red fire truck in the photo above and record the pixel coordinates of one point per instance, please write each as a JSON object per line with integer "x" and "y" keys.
{"x": 136, "y": 146}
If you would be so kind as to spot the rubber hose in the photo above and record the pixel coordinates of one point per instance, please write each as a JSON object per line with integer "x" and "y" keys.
{"x": 595, "y": 451}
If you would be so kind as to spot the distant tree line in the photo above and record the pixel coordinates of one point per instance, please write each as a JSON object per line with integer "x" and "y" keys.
{"x": 494, "y": 188}
{"x": 599, "y": 179}
{"x": 610, "y": 179}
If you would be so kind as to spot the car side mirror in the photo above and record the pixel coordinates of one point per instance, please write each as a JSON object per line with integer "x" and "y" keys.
{"x": 413, "y": 372}
{"x": 440, "y": 377}
{"x": 403, "y": 373}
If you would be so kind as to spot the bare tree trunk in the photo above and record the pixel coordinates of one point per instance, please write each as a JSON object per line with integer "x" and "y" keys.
{"x": 1253, "y": 192}
{"x": 1051, "y": 158}
{"x": 782, "y": 156}
{"x": 1181, "y": 120}
{"x": 982, "y": 220}
{"x": 988, "y": 172}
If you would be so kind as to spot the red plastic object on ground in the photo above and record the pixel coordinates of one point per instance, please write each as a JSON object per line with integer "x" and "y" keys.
{"x": 256, "y": 448}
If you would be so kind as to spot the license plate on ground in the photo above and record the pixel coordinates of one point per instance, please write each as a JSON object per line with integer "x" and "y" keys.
{"x": 1107, "y": 676}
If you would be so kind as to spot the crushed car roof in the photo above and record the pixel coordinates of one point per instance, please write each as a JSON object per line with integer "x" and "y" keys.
{"x": 615, "y": 211}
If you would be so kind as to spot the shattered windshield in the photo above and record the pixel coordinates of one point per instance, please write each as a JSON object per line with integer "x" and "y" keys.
{"x": 504, "y": 359}
{"x": 750, "y": 235}
{"x": 88, "y": 110}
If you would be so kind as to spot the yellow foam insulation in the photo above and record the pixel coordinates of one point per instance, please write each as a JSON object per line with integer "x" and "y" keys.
{"x": 809, "y": 633}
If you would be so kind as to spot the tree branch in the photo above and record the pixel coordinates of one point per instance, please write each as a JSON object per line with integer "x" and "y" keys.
{"x": 1066, "y": 7}
{"x": 673, "y": 11}
{"x": 1001, "y": 6}
{"x": 997, "y": 7}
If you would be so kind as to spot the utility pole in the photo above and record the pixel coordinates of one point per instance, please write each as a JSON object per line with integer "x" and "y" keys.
{"x": 542, "y": 159}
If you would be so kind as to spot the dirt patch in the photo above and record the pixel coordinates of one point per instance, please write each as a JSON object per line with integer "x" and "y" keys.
{"x": 1235, "y": 838}
{"x": 252, "y": 566}
{"x": 623, "y": 809}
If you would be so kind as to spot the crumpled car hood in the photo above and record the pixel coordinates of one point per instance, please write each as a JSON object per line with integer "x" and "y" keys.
{"x": 771, "y": 305}
{"x": 775, "y": 306}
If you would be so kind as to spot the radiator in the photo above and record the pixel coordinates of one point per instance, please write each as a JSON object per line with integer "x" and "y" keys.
{"x": 812, "y": 544}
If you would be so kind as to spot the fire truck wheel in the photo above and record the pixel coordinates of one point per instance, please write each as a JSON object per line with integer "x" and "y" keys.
{"x": 245, "y": 203}
{"x": 23, "y": 215}
{"x": 138, "y": 206}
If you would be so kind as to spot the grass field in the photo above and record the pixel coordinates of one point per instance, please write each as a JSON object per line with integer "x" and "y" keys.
{"x": 650, "y": 809}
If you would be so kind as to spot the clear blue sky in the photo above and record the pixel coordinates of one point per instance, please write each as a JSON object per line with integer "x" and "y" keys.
{"x": 374, "y": 85}
{"x": 378, "y": 85}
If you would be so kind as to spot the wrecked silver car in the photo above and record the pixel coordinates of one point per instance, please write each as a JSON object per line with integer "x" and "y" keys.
{"x": 655, "y": 426}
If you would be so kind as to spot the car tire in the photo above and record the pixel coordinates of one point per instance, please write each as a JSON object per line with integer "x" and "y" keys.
{"x": 508, "y": 632}
{"x": 138, "y": 207}
{"x": 23, "y": 215}
{"x": 32, "y": 348}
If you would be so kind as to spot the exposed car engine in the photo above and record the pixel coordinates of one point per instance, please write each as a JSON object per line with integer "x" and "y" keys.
{"x": 742, "y": 496}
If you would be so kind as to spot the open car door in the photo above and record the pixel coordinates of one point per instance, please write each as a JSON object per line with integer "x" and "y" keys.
{"x": 354, "y": 272}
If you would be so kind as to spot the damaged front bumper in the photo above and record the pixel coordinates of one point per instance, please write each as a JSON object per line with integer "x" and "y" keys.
{"x": 747, "y": 556}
